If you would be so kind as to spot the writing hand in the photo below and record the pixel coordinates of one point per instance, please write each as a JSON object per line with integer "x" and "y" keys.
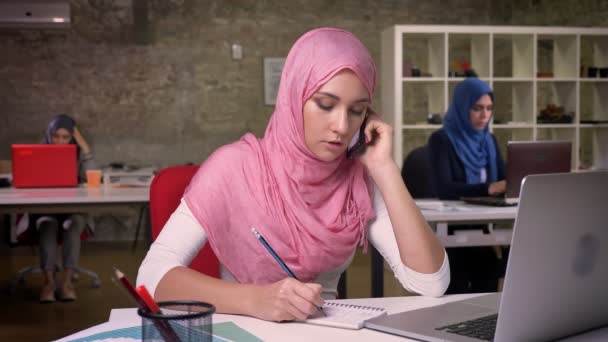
{"x": 287, "y": 300}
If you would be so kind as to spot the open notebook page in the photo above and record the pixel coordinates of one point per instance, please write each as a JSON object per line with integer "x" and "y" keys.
{"x": 344, "y": 315}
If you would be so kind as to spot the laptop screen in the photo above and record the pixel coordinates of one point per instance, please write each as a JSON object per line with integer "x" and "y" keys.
{"x": 44, "y": 165}
{"x": 535, "y": 157}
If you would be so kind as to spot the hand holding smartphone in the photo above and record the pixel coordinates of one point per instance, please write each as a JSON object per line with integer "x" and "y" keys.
{"x": 357, "y": 145}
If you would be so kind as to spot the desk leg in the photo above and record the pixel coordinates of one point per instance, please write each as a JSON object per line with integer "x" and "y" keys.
{"x": 142, "y": 211}
{"x": 441, "y": 229}
{"x": 342, "y": 286}
{"x": 377, "y": 273}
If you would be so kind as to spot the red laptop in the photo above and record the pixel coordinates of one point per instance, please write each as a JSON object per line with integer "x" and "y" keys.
{"x": 44, "y": 165}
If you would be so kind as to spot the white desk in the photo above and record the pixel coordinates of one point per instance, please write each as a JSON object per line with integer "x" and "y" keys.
{"x": 72, "y": 200}
{"x": 458, "y": 212}
{"x": 12, "y": 198}
{"x": 269, "y": 331}
{"x": 440, "y": 214}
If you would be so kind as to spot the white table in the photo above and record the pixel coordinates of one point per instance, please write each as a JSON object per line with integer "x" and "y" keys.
{"x": 441, "y": 213}
{"x": 73, "y": 200}
{"x": 269, "y": 331}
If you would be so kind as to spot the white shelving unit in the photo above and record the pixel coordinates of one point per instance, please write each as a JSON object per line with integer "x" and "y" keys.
{"x": 527, "y": 67}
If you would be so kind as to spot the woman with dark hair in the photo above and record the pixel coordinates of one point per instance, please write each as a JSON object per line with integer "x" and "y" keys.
{"x": 68, "y": 227}
{"x": 465, "y": 161}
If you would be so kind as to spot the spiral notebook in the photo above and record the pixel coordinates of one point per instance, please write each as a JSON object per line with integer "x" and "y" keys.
{"x": 346, "y": 316}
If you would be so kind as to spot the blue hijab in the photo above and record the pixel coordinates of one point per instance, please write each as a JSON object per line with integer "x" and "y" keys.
{"x": 476, "y": 149}
{"x": 61, "y": 121}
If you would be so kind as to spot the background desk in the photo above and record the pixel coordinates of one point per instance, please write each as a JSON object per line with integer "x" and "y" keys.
{"x": 73, "y": 200}
{"x": 454, "y": 212}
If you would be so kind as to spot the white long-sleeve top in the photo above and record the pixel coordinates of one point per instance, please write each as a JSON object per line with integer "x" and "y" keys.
{"x": 183, "y": 237}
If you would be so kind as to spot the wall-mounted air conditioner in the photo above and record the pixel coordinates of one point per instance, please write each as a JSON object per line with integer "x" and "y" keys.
{"x": 23, "y": 14}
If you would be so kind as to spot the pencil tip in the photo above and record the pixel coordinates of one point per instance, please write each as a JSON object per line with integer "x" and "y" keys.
{"x": 118, "y": 273}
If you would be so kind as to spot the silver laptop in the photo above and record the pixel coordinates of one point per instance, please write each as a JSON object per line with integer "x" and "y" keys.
{"x": 526, "y": 158}
{"x": 556, "y": 278}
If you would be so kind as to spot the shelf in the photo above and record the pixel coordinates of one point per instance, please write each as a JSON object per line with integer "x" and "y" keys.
{"x": 599, "y": 126}
{"x": 513, "y": 55}
{"x": 459, "y": 79}
{"x": 512, "y": 126}
{"x": 594, "y": 80}
{"x": 425, "y": 126}
{"x": 473, "y": 48}
{"x": 593, "y": 98}
{"x": 424, "y": 51}
{"x": 513, "y": 79}
{"x": 423, "y": 79}
{"x": 508, "y": 58}
{"x": 556, "y": 79}
{"x": 514, "y": 101}
{"x": 557, "y": 53}
{"x": 560, "y": 126}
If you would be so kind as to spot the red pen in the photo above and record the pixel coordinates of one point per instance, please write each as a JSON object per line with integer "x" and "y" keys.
{"x": 146, "y": 303}
{"x": 147, "y": 298}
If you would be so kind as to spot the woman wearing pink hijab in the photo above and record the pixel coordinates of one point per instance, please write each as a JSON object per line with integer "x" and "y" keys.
{"x": 296, "y": 186}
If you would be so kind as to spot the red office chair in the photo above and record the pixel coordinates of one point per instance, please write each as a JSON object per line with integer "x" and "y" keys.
{"x": 166, "y": 191}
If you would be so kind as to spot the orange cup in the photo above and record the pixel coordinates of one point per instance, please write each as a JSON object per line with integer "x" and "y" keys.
{"x": 93, "y": 178}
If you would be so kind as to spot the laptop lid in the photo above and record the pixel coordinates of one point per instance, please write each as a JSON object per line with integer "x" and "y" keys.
{"x": 558, "y": 263}
{"x": 535, "y": 157}
{"x": 556, "y": 274}
{"x": 44, "y": 165}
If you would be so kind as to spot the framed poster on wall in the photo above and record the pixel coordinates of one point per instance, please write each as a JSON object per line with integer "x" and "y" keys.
{"x": 273, "y": 66}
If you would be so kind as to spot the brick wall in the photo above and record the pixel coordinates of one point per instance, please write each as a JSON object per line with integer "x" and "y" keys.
{"x": 155, "y": 85}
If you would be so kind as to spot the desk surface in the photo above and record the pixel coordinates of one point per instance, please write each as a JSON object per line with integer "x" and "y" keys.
{"x": 79, "y": 195}
{"x": 452, "y": 211}
{"x": 269, "y": 331}
{"x": 433, "y": 210}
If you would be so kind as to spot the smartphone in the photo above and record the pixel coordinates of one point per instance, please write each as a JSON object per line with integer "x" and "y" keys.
{"x": 357, "y": 144}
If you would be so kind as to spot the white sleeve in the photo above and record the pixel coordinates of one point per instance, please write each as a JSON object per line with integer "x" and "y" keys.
{"x": 381, "y": 235}
{"x": 178, "y": 243}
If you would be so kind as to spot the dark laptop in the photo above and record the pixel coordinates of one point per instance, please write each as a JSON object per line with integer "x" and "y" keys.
{"x": 528, "y": 158}
{"x": 556, "y": 273}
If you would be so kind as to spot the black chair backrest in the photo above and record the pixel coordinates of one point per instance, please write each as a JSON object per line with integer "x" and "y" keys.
{"x": 416, "y": 173}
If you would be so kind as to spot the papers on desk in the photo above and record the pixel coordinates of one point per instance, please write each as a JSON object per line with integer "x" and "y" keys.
{"x": 439, "y": 206}
{"x": 132, "y": 179}
{"x": 222, "y": 332}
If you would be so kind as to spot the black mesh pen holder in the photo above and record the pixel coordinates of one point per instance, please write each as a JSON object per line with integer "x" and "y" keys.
{"x": 179, "y": 321}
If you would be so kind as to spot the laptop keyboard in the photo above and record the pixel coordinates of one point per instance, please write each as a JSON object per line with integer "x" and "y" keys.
{"x": 481, "y": 328}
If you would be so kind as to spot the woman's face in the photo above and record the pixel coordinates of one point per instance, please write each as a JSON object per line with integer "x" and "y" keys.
{"x": 481, "y": 112}
{"x": 62, "y": 136}
{"x": 334, "y": 114}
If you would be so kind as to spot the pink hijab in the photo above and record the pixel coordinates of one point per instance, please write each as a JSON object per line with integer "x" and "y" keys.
{"x": 313, "y": 213}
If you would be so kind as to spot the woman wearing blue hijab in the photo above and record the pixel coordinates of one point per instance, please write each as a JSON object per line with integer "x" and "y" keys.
{"x": 62, "y": 130}
{"x": 464, "y": 154}
{"x": 465, "y": 161}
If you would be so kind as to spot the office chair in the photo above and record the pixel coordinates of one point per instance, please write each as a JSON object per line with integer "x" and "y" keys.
{"x": 166, "y": 191}
{"x": 30, "y": 238}
{"x": 416, "y": 173}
